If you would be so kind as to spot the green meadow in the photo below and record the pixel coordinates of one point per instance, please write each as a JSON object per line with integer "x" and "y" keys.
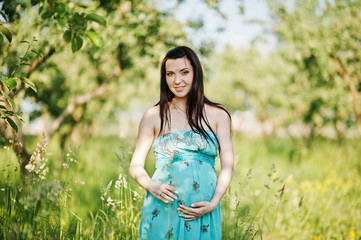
{"x": 281, "y": 189}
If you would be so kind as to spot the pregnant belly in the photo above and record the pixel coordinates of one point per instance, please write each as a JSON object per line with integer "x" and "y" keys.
{"x": 194, "y": 180}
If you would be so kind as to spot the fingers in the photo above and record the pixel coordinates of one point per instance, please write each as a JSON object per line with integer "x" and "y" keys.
{"x": 188, "y": 217}
{"x": 199, "y": 204}
{"x": 171, "y": 195}
{"x": 166, "y": 198}
{"x": 196, "y": 211}
{"x": 189, "y": 213}
{"x": 170, "y": 188}
{"x": 166, "y": 193}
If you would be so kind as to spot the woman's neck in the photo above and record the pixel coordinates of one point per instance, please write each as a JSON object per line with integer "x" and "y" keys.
{"x": 180, "y": 103}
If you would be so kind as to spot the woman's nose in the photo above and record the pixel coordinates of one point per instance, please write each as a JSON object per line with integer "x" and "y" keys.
{"x": 178, "y": 79}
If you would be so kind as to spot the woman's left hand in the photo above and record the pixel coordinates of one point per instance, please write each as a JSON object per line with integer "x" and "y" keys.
{"x": 196, "y": 210}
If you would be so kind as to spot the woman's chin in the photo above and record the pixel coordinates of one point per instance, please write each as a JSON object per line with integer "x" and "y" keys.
{"x": 180, "y": 94}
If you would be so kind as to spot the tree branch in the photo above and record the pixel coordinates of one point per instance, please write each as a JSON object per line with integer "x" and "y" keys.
{"x": 353, "y": 90}
{"x": 35, "y": 65}
{"x": 80, "y": 100}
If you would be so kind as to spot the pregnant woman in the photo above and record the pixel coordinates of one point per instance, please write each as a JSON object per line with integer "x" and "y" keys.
{"x": 186, "y": 132}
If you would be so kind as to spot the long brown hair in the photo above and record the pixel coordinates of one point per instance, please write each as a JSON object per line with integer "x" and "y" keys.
{"x": 196, "y": 99}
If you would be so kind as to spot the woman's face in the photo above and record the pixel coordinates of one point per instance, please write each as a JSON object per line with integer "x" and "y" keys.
{"x": 179, "y": 76}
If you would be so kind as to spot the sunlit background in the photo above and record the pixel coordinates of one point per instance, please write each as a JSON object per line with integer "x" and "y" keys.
{"x": 76, "y": 77}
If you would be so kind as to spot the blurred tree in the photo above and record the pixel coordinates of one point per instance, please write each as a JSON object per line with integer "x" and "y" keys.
{"x": 322, "y": 40}
{"x": 258, "y": 83}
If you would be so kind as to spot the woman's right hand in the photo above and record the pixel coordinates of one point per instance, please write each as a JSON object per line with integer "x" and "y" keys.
{"x": 163, "y": 192}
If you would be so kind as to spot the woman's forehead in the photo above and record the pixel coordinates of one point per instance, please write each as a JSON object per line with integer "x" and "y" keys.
{"x": 178, "y": 64}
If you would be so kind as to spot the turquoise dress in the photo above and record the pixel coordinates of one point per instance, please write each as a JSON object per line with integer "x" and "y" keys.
{"x": 185, "y": 160}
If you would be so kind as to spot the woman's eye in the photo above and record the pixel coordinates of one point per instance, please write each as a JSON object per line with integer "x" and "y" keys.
{"x": 185, "y": 72}
{"x": 169, "y": 74}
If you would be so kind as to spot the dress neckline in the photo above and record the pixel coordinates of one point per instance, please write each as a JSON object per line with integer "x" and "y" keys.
{"x": 176, "y": 131}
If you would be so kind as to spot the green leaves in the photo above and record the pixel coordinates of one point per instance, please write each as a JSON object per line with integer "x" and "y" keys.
{"x": 96, "y": 18}
{"x": 76, "y": 43}
{"x": 95, "y": 38}
{"x": 29, "y": 83}
{"x": 46, "y": 14}
{"x": 10, "y": 83}
{"x": 6, "y": 32}
{"x": 78, "y": 24}
{"x": 10, "y": 101}
{"x": 67, "y": 36}
{"x": 3, "y": 15}
{"x": 61, "y": 10}
{"x": 5, "y": 113}
{"x": 11, "y": 123}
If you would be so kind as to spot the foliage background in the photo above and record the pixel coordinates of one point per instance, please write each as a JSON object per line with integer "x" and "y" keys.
{"x": 89, "y": 69}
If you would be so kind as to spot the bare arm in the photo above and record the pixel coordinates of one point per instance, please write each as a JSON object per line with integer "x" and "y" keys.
{"x": 199, "y": 209}
{"x": 227, "y": 160}
{"x": 145, "y": 138}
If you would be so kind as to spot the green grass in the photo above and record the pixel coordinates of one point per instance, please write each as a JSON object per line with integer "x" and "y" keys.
{"x": 281, "y": 190}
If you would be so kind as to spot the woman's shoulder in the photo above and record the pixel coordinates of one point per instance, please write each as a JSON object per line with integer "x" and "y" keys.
{"x": 151, "y": 113}
{"x": 151, "y": 116}
{"x": 217, "y": 116}
{"x": 217, "y": 111}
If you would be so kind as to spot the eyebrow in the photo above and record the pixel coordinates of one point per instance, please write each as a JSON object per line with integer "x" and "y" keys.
{"x": 181, "y": 69}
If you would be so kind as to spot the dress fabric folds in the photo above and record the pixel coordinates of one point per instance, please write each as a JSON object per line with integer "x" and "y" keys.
{"x": 185, "y": 160}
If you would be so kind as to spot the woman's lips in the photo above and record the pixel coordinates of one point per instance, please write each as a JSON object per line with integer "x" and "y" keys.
{"x": 179, "y": 89}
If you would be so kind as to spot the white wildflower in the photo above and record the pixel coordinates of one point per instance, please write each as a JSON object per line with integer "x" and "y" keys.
{"x": 30, "y": 167}
{"x": 117, "y": 184}
{"x": 136, "y": 194}
{"x": 3, "y": 189}
{"x": 37, "y": 159}
{"x": 110, "y": 184}
{"x": 65, "y": 165}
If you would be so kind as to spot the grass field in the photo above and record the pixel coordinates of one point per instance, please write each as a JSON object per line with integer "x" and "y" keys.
{"x": 281, "y": 190}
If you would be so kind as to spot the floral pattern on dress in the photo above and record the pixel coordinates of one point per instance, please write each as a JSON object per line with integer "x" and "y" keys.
{"x": 204, "y": 228}
{"x": 197, "y": 139}
{"x": 187, "y": 226}
{"x": 167, "y": 141}
{"x": 169, "y": 234}
{"x": 195, "y": 186}
{"x": 155, "y": 213}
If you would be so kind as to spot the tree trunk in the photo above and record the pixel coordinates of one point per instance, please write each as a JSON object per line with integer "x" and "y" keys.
{"x": 17, "y": 144}
{"x": 354, "y": 93}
